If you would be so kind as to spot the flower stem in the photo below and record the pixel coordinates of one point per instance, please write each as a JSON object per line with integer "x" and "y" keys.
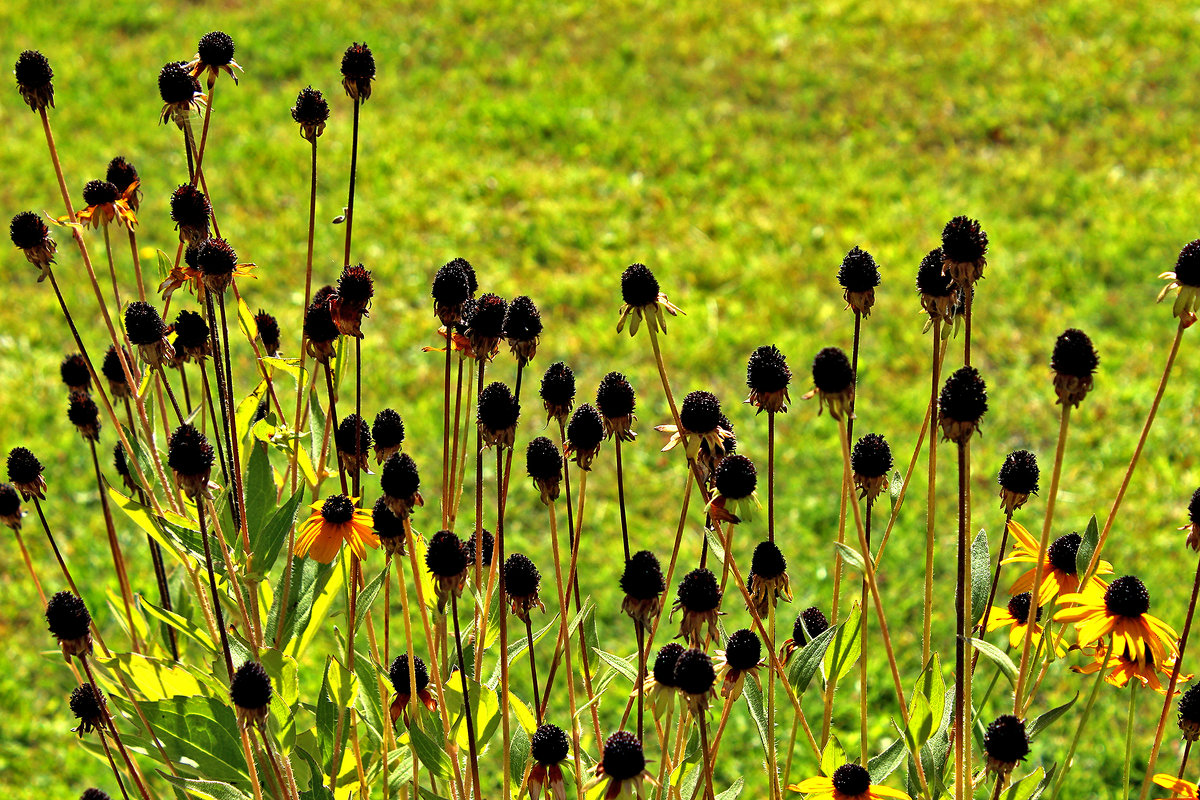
{"x": 353, "y": 174}
{"x": 212, "y": 585}
{"x": 1133, "y": 685}
{"x": 115, "y": 546}
{"x": 462, "y": 674}
{"x": 962, "y": 744}
{"x": 931, "y": 500}
{"x": 1087, "y": 710}
{"x": 498, "y": 567}
{"x": 312, "y": 224}
{"x": 537, "y": 701}
{"x": 771, "y": 476}
{"x": 1187, "y": 749}
{"x": 706, "y": 756}
{"x": 447, "y": 474}
{"x": 564, "y": 636}
{"x": 987, "y": 609}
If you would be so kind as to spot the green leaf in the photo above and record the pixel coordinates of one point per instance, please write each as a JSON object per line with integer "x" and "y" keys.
{"x": 246, "y": 409}
{"x": 180, "y": 624}
{"x": 920, "y": 723}
{"x": 847, "y": 646}
{"x": 833, "y": 756}
{"x": 206, "y": 790}
{"x": 518, "y": 754}
{"x": 981, "y": 575}
{"x": 997, "y": 657}
{"x": 1044, "y": 720}
{"x": 734, "y": 791}
{"x": 1025, "y": 787}
{"x": 200, "y": 729}
{"x": 367, "y": 595}
{"x": 850, "y": 556}
{"x": 267, "y": 541}
{"x": 754, "y": 700}
{"x": 285, "y": 700}
{"x": 1087, "y": 546}
{"x": 627, "y": 666}
{"x": 165, "y": 265}
{"x": 932, "y": 685}
{"x": 887, "y": 762}
{"x": 807, "y": 659}
{"x": 156, "y": 678}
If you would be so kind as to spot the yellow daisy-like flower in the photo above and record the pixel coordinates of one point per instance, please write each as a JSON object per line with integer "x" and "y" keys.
{"x": 849, "y": 782}
{"x": 105, "y": 204}
{"x": 1120, "y": 610}
{"x": 1015, "y": 616}
{"x": 333, "y": 521}
{"x": 1059, "y": 572}
{"x": 1180, "y": 789}
{"x": 1123, "y": 669}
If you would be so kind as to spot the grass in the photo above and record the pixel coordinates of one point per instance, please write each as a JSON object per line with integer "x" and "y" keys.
{"x": 740, "y": 151}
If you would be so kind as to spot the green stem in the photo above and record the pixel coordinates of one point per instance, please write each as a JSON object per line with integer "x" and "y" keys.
{"x": 1129, "y": 737}
{"x": 1087, "y": 710}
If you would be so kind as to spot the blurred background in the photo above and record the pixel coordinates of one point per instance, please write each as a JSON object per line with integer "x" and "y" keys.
{"x": 739, "y": 149}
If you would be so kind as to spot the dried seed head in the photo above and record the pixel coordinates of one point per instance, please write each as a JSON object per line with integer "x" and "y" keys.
{"x": 176, "y": 85}
{"x": 639, "y": 287}
{"x": 215, "y": 257}
{"x": 216, "y": 48}
{"x": 736, "y": 477}
{"x": 34, "y": 77}
{"x": 400, "y": 477}
{"x": 615, "y": 397}
{"x": 311, "y": 111}
{"x": 387, "y": 526}
{"x": 75, "y": 374}
{"x": 24, "y": 467}
{"x": 700, "y": 412}
{"x": 858, "y": 272}
{"x": 699, "y": 591}
{"x": 585, "y": 433}
{"x": 498, "y": 409}
{"x": 143, "y": 324}
{"x": 28, "y": 231}
{"x": 768, "y": 561}
{"x": 1187, "y": 265}
{"x": 268, "y": 331}
{"x": 1006, "y": 742}
{"x": 358, "y": 70}
{"x": 767, "y": 371}
{"x": 872, "y": 457}
{"x": 623, "y": 756}
{"x": 85, "y": 416}
{"x": 521, "y": 576}
{"x": 191, "y": 211}
{"x": 191, "y": 333}
{"x": 643, "y": 576}
{"x": 558, "y": 390}
{"x": 831, "y": 371}
{"x": 964, "y": 250}
{"x": 1189, "y": 713}
{"x": 67, "y": 617}
{"x": 1194, "y": 508}
{"x": 355, "y": 286}
{"x": 1127, "y": 597}
{"x": 398, "y": 673}
{"x": 1074, "y": 361}
{"x": 962, "y": 404}
{"x": 522, "y": 321}
{"x": 121, "y": 462}
{"x": 487, "y": 324}
{"x": 1019, "y": 473}
{"x": 97, "y": 193}
{"x": 89, "y": 707}
{"x": 664, "y": 664}
{"x": 549, "y": 745}
{"x": 694, "y": 673}
{"x": 487, "y": 547}
{"x": 931, "y": 278}
{"x": 190, "y": 457}
{"x": 743, "y": 650}
{"x": 94, "y": 794}
{"x": 319, "y": 327}
{"x": 10, "y": 506}
{"x": 123, "y": 174}
{"x": 543, "y": 462}
{"x": 250, "y": 687}
{"x": 447, "y": 555}
{"x": 114, "y": 372}
{"x": 451, "y": 289}
{"x": 811, "y": 619}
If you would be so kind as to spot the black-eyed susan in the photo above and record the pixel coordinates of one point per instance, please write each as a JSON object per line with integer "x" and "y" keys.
{"x": 335, "y": 520}
{"x": 558, "y": 391}
{"x": 659, "y": 686}
{"x": 35, "y": 80}
{"x": 90, "y": 707}
{"x": 699, "y": 600}
{"x": 643, "y": 300}
{"x": 833, "y": 382}
{"x": 700, "y": 421}
{"x": 447, "y": 559}
{"x": 521, "y": 583}
{"x": 616, "y": 401}
{"x": 1059, "y": 572}
{"x": 1122, "y": 669}
{"x": 1189, "y": 714}
{"x": 858, "y": 276}
{"x": 214, "y": 55}
{"x": 1179, "y": 788}
{"x": 643, "y": 584}
{"x": 32, "y": 237}
{"x": 696, "y": 678}
{"x": 103, "y": 203}
{"x": 70, "y": 623}
{"x": 522, "y": 328}
{"x": 848, "y": 782}
{"x": 1015, "y": 617}
{"x": 216, "y": 264}
{"x": 549, "y": 747}
{"x": 964, "y": 251}
{"x": 622, "y": 767}
{"x": 741, "y": 657}
{"x": 768, "y": 376}
{"x": 25, "y": 472}
{"x": 810, "y": 623}
{"x": 585, "y": 434}
{"x": 735, "y": 498}
{"x": 1074, "y": 362}
{"x": 124, "y": 175}
{"x": 311, "y": 111}
{"x": 1005, "y": 742}
{"x": 250, "y": 690}
{"x": 1121, "y": 611}
{"x": 398, "y": 673}
{"x": 544, "y": 464}
{"x": 180, "y": 92}
{"x": 387, "y": 432}
{"x": 1185, "y": 280}
{"x": 10, "y": 506}
{"x": 1018, "y": 478}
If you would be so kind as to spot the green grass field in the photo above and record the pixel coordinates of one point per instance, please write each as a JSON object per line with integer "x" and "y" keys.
{"x": 740, "y": 151}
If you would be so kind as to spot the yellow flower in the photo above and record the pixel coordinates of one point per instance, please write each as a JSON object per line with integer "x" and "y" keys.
{"x": 1016, "y": 617}
{"x": 1059, "y": 572}
{"x": 1120, "y": 610}
{"x": 333, "y": 521}
{"x": 1180, "y": 789}
{"x": 1122, "y": 669}
{"x": 849, "y": 782}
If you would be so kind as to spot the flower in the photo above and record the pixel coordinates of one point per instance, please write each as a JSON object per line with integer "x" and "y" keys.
{"x": 810, "y": 623}
{"x": 487, "y": 548}
{"x": 849, "y": 782}
{"x": 833, "y": 382}
{"x": 334, "y": 520}
{"x": 358, "y": 70}
{"x": 1189, "y": 714}
{"x": 1018, "y": 478}
{"x": 938, "y": 293}
{"x": 962, "y": 404}
{"x": 25, "y": 473}
{"x": 34, "y": 77}
{"x": 124, "y": 176}
{"x": 148, "y": 332}
{"x": 544, "y": 464}
{"x": 320, "y": 331}
{"x": 1180, "y": 789}
{"x": 521, "y": 583}
{"x": 734, "y": 479}
{"x": 70, "y": 623}
{"x": 1015, "y": 616}
{"x": 350, "y": 301}
{"x": 1120, "y": 610}
{"x": 388, "y": 527}
{"x": 558, "y": 391}
{"x": 398, "y": 673}
{"x": 214, "y": 55}
{"x": 388, "y": 434}
{"x": 10, "y": 506}
{"x": 768, "y": 579}
{"x": 742, "y": 656}
{"x": 180, "y": 92}
{"x": 451, "y": 290}
{"x": 585, "y": 433}
{"x": 643, "y": 585}
{"x": 767, "y": 376}
{"x": 353, "y": 440}
{"x": 616, "y": 400}
{"x": 964, "y": 251}
{"x": 401, "y": 484}
{"x": 103, "y": 203}
{"x": 1073, "y": 361}
{"x": 250, "y": 690}
{"x": 447, "y": 559}
{"x": 268, "y": 332}
{"x": 486, "y": 325}
{"x": 1186, "y": 281}
{"x": 622, "y": 766}
{"x": 114, "y": 373}
{"x": 192, "y": 340}
{"x": 695, "y": 677}
{"x": 699, "y": 598}
{"x": 859, "y": 275}
{"x": 1193, "y": 526}
{"x": 658, "y": 687}
{"x": 191, "y": 212}
{"x": 216, "y": 265}
{"x": 522, "y": 327}
{"x": 90, "y": 707}
{"x": 190, "y": 457}
{"x": 497, "y": 415}
{"x": 1005, "y": 742}
{"x": 1059, "y": 571}
{"x": 870, "y": 461}
{"x": 643, "y": 300}
{"x": 549, "y": 747}
{"x": 85, "y": 416}
{"x": 31, "y": 235}
{"x": 1122, "y": 668}
{"x": 311, "y": 111}
{"x": 700, "y": 419}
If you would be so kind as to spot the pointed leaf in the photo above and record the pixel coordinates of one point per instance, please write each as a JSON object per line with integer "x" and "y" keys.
{"x": 1044, "y": 720}
{"x": 981, "y": 575}
{"x": 846, "y": 648}
{"x": 997, "y": 657}
{"x": 807, "y": 659}
{"x": 887, "y": 762}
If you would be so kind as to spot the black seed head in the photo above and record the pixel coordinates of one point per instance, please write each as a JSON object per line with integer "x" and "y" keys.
{"x": 1074, "y": 354}
{"x": 872, "y": 457}
{"x": 1194, "y": 508}
{"x": 964, "y": 240}
{"x": 814, "y": 620}
{"x": 1018, "y": 606}
{"x": 643, "y": 576}
{"x": 28, "y": 231}
{"x": 318, "y": 321}
{"x": 469, "y": 271}
{"x": 1005, "y": 740}
{"x": 10, "y": 500}
{"x": 639, "y": 287}
{"x": 87, "y": 705}
{"x": 487, "y": 321}
{"x": 694, "y": 673}
{"x": 268, "y": 331}
{"x": 664, "y": 664}
{"x": 700, "y": 412}
{"x": 176, "y": 84}
{"x": 930, "y": 278}
{"x": 67, "y": 617}
{"x": 337, "y": 509}
{"x": 543, "y": 462}
{"x": 964, "y": 396}
{"x": 831, "y": 371}
{"x": 121, "y": 173}
{"x": 33, "y": 70}
{"x": 1189, "y": 706}
{"x": 353, "y": 435}
{"x": 699, "y": 591}
{"x": 585, "y": 431}
{"x": 192, "y": 330}
{"x": 398, "y": 673}
{"x": 743, "y": 650}
{"x": 355, "y": 286}
{"x": 358, "y": 63}
{"x": 189, "y": 452}
{"x": 215, "y": 48}
{"x": 1062, "y": 553}
{"x": 450, "y": 285}
{"x": 143, "y": 324}
{"x": 1127, "y": 597}
{"x": 216, "y": 257}
{"x": 498, "y": 408}
{"x": 447, "y": 555}
{"x": 250, "y": 686}
{"x": 74, "y": 372}
{"x": 767, "y": 370}
{"x": 97, "y": 193}
{"x": 83, "y": 413}
{"x": 400, "y": 477}
{"x": 385, "y": 523}
{"x": 858, "y": 272}
{"x": 311, "y": 109}
{"x": 522, "y": 321}
{"x": 615, "y": 396}
{"x": 549, "y": 745}
{"x": 851, "y": 780}
{"x": 487, "y": 543}
{"x": 623, "y": 756}
{"x": 558, "y": 386}
{"x": 1019, "y": 472}
{"x": 23, "y": 466}
{"x": 190, "y": 208}
{"x": 120, "y": 461}
{"x": 521, "y": 576}
{"x": 111, "y": 366}
{"x": 767, "y": 562}
{"x": 731, "y": 440}
{"x": 1187, "y": 266}
{"x": 388, "y": 429}
{"x": 94, "y": 794}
